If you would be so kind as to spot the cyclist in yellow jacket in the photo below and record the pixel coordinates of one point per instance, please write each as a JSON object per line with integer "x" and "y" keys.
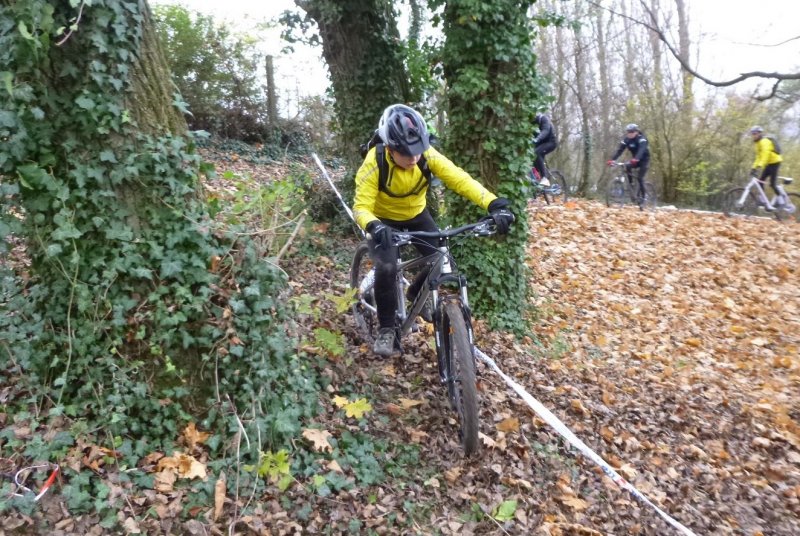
{"x": 399, "y": 204}
{"x": 768, "y": 159}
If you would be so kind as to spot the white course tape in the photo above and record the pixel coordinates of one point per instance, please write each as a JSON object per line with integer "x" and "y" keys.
{"x": 330, "y": 181}
{"x": 567, "y": 434}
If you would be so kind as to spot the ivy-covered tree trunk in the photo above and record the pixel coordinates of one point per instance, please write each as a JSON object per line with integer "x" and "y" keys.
{"x": 493, "y": 96}
{"x": 364, "y": 54}
{"x": 123, "y": 304}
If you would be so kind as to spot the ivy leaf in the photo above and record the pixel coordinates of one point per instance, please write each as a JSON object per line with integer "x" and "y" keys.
{"x": 108, "y": 156}
{"x": 505, "y": 512}
{"x": 170, "y": 268}
{"x": 85, "y": 103}
{"x": 8, "y": 81}
{"x": 23, "y": 29}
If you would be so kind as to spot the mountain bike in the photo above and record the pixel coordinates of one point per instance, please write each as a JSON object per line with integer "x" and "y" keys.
{"x": 620, "y": 190}
{"x": 445, "y": 290}
{"x": 748, "y": 201}
{"x": 556, "y": 193}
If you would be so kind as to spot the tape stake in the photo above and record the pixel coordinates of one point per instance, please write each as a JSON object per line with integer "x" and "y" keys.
{"x": 23, "y": 473}
{"x": 576, "y": 442}
{"x": 330, "y": 181}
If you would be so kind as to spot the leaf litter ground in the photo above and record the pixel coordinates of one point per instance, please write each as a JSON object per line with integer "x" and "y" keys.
{"x": 667, "y": 341}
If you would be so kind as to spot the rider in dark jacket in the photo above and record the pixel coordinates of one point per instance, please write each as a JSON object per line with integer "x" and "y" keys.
{"x": 545, "y": 142}
{"x": 635, "y": 142}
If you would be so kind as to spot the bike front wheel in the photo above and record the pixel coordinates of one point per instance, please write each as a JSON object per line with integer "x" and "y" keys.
{"x": 459, "y": 370}
{"x": 733, "y": 204}
{"x": 616, "y": 193}
{"x": 363, "y": 308}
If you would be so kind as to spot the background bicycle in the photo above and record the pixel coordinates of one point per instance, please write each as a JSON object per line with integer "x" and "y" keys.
{"x": 554, "y": 194}
{"x": 620, "y": 191}
{"x": 752, "y": 200}
{"x": 445, "y": 289}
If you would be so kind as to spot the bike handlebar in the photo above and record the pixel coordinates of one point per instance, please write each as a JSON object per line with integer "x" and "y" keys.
{"x": 484, "y": 227}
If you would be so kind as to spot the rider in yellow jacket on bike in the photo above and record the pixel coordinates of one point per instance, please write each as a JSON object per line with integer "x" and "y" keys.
{"x": 400, "y": 204}
{"x": 768, "y": 159}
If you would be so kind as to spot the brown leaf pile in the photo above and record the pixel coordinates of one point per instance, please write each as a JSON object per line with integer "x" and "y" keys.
{"x": 667, "y": 341}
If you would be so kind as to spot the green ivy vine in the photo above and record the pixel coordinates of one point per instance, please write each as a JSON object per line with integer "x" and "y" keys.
{"x": 132, "y": 310}
{"x": 494, "y": 93}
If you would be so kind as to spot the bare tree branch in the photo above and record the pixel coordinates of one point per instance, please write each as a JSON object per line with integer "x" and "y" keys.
{"x": 779, "y": 77}
{"x": 770, "y": 45}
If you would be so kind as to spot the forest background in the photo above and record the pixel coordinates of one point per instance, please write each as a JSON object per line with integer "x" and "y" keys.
{"x": 159, "y": 317}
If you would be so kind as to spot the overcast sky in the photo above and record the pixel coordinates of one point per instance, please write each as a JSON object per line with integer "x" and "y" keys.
{"x": 731, "y": 35}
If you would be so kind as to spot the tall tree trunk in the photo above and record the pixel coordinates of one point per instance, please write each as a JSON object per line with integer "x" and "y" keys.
{"x": 493, "y": 96}
{"x": 605, "y": 138}
{"x": 361, "y": 46}
{"x": 272, "y": 94}
{"x": 630, "y": 48}
{"x": 108, "y": 188}
{"x": 582, "y": 98}
{"x": 660, "y": 147}
{"x": 684, "y": 46}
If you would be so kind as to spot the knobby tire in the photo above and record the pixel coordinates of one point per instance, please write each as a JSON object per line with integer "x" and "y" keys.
{"x": 366, "y": 320}
{"x": 749, "y": 208}
{"x": 616, "y": 192}
{"x": 557, "y": 178}
{"x": 460, "y": 370}
{"x": 794, "y": 199}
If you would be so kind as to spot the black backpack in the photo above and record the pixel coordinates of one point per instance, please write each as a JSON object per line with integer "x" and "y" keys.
{"x": 383, "y": 167}
{"x": 775, "y": 146}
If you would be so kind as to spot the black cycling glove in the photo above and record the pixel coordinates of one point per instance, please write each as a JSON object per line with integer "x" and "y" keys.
{"x": 381, "y": 233}
{"x": 503, "y": 218}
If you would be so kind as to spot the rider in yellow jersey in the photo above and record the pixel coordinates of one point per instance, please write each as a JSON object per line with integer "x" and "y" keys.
{"x": 768, "y": 159}
{"x": 400, "y": 205}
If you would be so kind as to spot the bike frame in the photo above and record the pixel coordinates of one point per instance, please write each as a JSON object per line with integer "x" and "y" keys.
{"x": 762, "y": 195}
{"x": 442, "y": 272}
{"x": 623, "y": 177}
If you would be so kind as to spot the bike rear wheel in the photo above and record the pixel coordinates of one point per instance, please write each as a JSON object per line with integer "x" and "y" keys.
{"x": 793, "y": 215}
{"x": 459, "y": 372}
{"x": 650, "y": 198}
{"x": 556, "y": 193}
{"x": 363, "y": 307}
{"x": 731, "y": 206}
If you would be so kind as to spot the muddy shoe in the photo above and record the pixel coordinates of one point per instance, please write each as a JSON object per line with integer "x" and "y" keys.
{"x": 384, "y": 344}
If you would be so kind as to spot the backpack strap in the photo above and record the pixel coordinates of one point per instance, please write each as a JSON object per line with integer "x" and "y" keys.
{"x": 383, "y": 173}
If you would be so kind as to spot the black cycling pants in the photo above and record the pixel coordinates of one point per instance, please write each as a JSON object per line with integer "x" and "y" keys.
{"x": 642, "y": 166}
{"x": 385, "y": 261}
{"x": 541, "y": 150}
{"x": 771, "y": 171}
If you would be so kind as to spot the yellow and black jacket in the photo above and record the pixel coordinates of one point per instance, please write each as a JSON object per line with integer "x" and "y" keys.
{"x": 765, "y": 153}
{"x": 370, "y": 203}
